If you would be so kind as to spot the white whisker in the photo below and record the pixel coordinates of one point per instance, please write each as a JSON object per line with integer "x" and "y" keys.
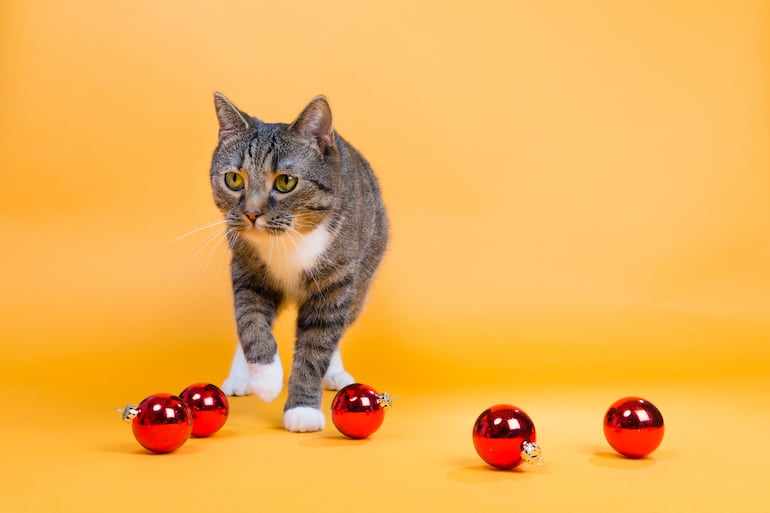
{"x": 271, "y": 238}
{"x": 285, "y": 254}
{"x": 207, "y": 262}
{"x": 299, "y": 221}
{"x": 195, "y": 252}
{"x": 288, "y": 232}
{"x": 200, "y": 229}
{"x": 232, "y": 237}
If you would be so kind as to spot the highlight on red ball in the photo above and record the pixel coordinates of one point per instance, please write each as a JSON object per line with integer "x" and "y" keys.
{"x": 208, "y": 406}
{"x": 161, "y": 423}
{"x": 358, "y": 410}
{"x": 633, "y": 427}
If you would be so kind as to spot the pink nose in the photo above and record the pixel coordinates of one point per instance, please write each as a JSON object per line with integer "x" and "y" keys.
{"x": 252, "y": 216}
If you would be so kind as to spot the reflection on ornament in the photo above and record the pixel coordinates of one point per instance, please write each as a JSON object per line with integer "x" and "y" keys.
{"x": 504, "y": 436}
{"x": 208, "y": 406}
{"x": 161, "y": 423}
{"x": 358, "y": 410}
{"x": 633, "y": 426}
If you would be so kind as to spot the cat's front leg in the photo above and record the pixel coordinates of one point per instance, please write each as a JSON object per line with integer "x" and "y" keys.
{"x": 255, "y": 311}
{"x": 320, "y": 326}
{"x": 264, "y": 380}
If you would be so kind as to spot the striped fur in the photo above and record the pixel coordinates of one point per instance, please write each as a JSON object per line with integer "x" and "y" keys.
{"x": 318, "y": 244}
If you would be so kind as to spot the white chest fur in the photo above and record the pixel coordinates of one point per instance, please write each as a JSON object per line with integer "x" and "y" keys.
{"x": 290, "y": 254}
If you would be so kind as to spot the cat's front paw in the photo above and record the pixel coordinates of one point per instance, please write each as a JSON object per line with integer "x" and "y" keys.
{"x": 303, "y": 419}
{"x": 266, "y": 380}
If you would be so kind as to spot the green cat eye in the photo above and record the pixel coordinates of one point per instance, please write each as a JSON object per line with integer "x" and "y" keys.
{"x": 234, "y": 181}
{"x": 285, "y": 183}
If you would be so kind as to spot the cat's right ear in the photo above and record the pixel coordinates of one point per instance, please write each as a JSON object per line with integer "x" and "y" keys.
{"x": 315, "y": 124}
{"x": 231, "y": 120}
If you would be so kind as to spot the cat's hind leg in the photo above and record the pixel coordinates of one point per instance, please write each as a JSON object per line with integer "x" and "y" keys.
{"x": 336, "y": 376}
{"x": 237, "y": 382}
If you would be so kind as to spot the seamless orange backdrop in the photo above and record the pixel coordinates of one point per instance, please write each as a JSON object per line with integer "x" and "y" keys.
{"x": 579, "y": 192}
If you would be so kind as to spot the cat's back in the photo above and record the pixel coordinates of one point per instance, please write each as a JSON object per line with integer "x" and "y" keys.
{"x": 361, "y": 198}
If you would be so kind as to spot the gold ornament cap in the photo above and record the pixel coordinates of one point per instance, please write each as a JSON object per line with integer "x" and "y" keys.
{"x": 128, "y": 413}
{"x": 531, "y": 453}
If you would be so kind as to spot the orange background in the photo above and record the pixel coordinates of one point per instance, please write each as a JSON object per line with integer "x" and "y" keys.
{"x": 580, "y": 203}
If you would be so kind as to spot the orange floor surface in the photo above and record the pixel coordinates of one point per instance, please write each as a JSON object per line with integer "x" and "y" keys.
{"x": 65, "y": 453}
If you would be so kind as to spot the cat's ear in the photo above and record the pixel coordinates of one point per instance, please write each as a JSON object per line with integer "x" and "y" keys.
{"x": 315, "y": 124}
{"x": 231, "y": 120}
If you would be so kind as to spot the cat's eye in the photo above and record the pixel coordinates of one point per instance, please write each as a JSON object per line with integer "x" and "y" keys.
{"x": 234, "y": 181}
{"x": 285, "y": 183}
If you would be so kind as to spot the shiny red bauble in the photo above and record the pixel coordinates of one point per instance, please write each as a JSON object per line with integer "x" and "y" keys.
{"x": 161, "y": 423}
{"x": 504, "y": 436}
{"x": 208, "y": 406}
{"x": 633, "y": 426}
{"x": 358, "y": 410}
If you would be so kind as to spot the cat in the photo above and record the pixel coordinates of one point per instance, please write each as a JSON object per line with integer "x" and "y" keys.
{"x": 305, "y": 222}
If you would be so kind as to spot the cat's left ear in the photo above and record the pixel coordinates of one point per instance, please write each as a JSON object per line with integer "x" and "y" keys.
{"x": 315, "y": 124}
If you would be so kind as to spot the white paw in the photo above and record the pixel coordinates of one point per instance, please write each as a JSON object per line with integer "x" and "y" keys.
{"x": 303, "y": 419}
{"x": 337, "y": 381}
{"x": 336, "y": 376}
{"x": 266, "y": 380}
{"x": 236, "y": 385}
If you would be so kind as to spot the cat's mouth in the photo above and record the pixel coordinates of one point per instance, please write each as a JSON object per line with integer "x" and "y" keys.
{"x": 260, "y": 228}
{"x": 257, "y": 231}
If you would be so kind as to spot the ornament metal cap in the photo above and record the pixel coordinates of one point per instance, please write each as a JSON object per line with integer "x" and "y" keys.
{"x": 531, "y": 453}
{"x": 385, "y": 400}
{"x": 128, "y": 413}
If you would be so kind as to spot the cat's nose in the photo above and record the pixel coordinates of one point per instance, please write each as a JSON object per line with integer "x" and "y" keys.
{"x": 252, "y": 216}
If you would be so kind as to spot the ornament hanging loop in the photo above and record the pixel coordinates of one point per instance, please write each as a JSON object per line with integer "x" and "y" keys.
{"x": 128, "y": 413}
{"x": 531, "y": 453}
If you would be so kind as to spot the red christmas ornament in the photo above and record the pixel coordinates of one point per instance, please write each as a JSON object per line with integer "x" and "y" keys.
{"x": 208, "y": 406}
{"x": 358, "y": 410}
{"x": 633, "y": 426}
{"x": 504, "y": 436}
{"x": 161, "y": 423}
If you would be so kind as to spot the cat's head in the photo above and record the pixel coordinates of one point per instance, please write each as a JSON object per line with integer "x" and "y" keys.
{"x": 274, "y": 178}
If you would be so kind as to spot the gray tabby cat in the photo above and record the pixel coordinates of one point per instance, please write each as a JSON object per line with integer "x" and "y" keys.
{"x": 305, "y": 223}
